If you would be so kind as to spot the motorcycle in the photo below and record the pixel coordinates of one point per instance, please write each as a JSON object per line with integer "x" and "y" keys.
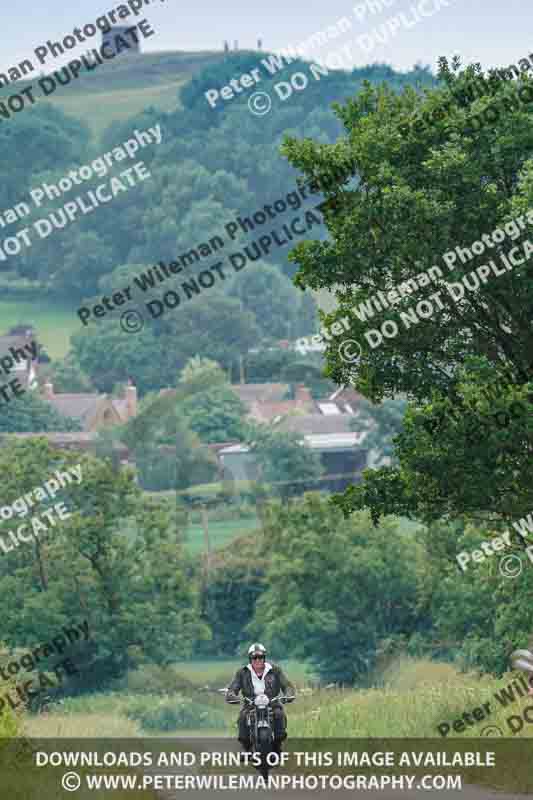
{"x": 260, "y": 720}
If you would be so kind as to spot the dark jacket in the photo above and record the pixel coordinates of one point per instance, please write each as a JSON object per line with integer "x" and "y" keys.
{"x": 275, "y": 682}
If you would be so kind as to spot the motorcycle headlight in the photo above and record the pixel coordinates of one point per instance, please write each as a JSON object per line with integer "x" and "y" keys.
{"x": 261, "y": 700}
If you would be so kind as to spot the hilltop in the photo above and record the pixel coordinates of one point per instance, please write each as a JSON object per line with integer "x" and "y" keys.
{"x": 127, "y": 85}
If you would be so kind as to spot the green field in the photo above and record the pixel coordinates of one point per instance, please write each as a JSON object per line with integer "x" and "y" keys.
{"x": 54, "y": 322}
{"x": 123, "y": 88}
{"x": 100, "y": 109}
{"x": 412, "y": 698}
{"x": 221, "y": 532}
{"x": 219, "y": 672}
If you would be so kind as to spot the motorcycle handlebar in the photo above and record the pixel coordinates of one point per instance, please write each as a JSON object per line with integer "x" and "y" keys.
{"x": 287, "y": 698}
{"x": 280, "y": 698}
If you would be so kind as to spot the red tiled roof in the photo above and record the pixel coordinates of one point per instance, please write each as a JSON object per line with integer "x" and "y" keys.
{"x": 268, "y": 411}
{"x": 260, "y": 392}
{"x": 78, "y": 406}
{"x": 120, "y": 404}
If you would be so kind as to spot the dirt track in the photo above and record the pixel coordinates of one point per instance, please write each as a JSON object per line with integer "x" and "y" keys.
{"x": 468, "y": 792}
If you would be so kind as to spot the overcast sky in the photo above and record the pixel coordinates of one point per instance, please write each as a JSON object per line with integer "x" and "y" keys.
{"x": 493, "y": 32}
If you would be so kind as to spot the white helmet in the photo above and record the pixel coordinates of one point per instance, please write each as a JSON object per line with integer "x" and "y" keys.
{"x": 256, "y": 649}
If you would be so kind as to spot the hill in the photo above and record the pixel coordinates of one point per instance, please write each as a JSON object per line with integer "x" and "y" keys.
{"x": 126, "y": 86}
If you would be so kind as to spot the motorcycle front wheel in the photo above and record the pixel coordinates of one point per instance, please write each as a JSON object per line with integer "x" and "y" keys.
{"x": 264, "y": 746}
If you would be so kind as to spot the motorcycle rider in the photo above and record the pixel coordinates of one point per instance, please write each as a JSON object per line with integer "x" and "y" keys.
{"x": 259, "y": 676}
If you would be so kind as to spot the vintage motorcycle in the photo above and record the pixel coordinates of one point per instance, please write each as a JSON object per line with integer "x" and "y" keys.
{"x": 260, "y": 718}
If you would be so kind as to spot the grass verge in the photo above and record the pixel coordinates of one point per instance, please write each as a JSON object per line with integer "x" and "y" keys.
{"x": 54, "y": 322}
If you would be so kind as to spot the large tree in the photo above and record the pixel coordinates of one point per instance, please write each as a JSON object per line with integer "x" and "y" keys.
{"x": 168, "y": 453}
{"x": 335, "y": 587}
{"x": 381, "y": 423}
{"x": 285, "y": 462}
{"x": 278, "y": 317}
{"x": 215, "y": 414}
{"x": 210, "y": 324}
{"x": 118, "y": 562}
{"x": 421, "y": 191}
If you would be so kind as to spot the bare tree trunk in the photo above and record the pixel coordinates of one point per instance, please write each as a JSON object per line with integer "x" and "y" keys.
{"x": 42, "y": 571}
{"x": 205, "y": 524}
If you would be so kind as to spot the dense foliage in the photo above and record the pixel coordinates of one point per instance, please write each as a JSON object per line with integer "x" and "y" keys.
{"x": 117, "y": 562}
{"x": 216, "y": 415}
{"x": 422, "y": 191}
{"x": 285, "y": 462}
{"x": 334, "y": 587}
{"x": 312, "y": 582}
{"x": 211, "y": 167}
{"x": 382, "y": 423}
{"x": 30, "y": 413}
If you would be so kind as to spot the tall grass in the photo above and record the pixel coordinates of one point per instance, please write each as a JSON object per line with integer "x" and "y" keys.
{"x": 218, "y": 672}
{"x": 416, "y": 696}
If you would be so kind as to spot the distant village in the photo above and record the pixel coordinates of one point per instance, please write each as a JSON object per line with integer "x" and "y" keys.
{"x": 325, "y": 425}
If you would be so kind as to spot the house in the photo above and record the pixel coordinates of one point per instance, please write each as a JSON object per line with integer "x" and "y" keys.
{"x": 94, "y": 411}
{"x": 18, "y": 348}
{"x": 345, "y": 399}
{"x": 341, "y": 455}
{"x": 109, "y": 39}
{"x": 268, "y": 401}
{"x": 325, "y": 426}
{"x": 341, "y": 450}
{"x": 78, "y": 440}
{"x": 328, "y": 433}
{"x": 250, "y": 393}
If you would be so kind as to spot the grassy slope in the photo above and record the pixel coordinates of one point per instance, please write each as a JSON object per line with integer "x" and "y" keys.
{"x": 54, "y": 322}
{"x": 122, "y": 88}
{"x": 218, "y": 673}
{"x": 114, "y": 92}
{"x": 412, "y": 699}
{"x": 221, "y": 532}
{"x": 99, "y": 109}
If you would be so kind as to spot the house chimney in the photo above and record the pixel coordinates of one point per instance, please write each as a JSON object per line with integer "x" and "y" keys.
{"x": 302, "y": 395}
{"x": 131, "y": 400}
{"x": 49, "y": 390}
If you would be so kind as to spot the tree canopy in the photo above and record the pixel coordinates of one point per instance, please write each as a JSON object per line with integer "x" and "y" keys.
{"x": 30, "y": 413}
{"x": 117, "y": 561}
{"x": 398, "y": 198}
{"x": 334, "y": 587}
{"x": 285, "y": 462}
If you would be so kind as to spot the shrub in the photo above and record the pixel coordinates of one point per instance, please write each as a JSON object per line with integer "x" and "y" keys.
{"x": 10, "y": 720}
{"x": 153, "y": 679}
{"x": 156, "y": 470}
{"x": 172, "y": 712}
